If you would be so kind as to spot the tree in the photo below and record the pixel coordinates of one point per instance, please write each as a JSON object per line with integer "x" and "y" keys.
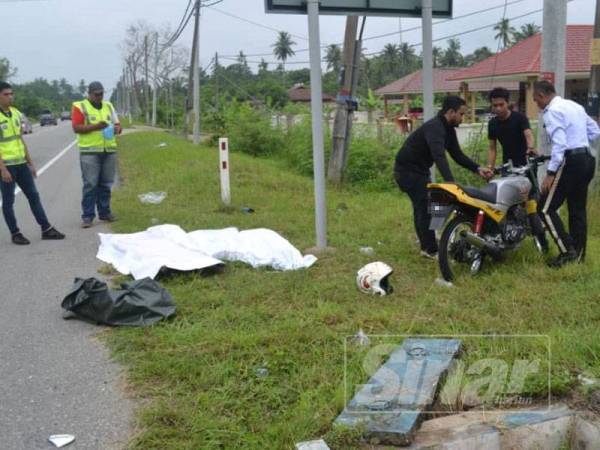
{"x": 526, "y": 31}
{"x": 282, "y": 49}
{"x": 391, "y": 59}
{"x": 452, "y": 56}
{"x": 437, "y": 56}
{"x": 505, "y": 32}
{"x": 478, "y": 55}
{"x": 333, "y": 57}
{"x": 407, "y": 57}
{"x": 6, "y": 71}
{"x": 263, "y": 67}
{"x": 241, "y": 59}
{"x": 82, "y": 88}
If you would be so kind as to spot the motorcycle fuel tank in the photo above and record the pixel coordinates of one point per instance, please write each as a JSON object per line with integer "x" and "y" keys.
{"x": 512, "y": 190}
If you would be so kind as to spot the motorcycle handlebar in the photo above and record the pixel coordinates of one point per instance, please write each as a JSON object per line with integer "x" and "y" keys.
{"x": 535, "y": 161}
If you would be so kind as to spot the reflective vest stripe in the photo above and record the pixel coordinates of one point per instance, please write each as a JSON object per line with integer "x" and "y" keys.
{"x": 14, "y": 162}
{"x": 10, "y": 138}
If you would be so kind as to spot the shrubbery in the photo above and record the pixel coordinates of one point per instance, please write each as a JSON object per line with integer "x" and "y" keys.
{"x": 370, "y": 160}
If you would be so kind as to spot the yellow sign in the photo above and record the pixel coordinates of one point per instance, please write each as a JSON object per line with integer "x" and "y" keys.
{"x": 595, "y": 52}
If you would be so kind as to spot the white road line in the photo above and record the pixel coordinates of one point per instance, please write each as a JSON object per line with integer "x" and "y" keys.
{"x": 49, "y": 163}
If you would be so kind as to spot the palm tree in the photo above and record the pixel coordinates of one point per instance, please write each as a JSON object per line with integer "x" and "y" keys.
{"x": 407, "y": 57}
{"x": 282, "y": 48}
{"x": 505, "y": 32}
{"x": 333, "y": 57}
{"x": 437, "y": 56}
{"x": 452, "y": 56}
{"x": 479, "y": 54}
{"x": 527, "y": 30}
{"x": 241, "y": 59}
{"x": 391, "y": 58}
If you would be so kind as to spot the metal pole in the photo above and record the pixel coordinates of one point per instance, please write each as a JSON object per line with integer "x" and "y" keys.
{"x": 197, "y": 76}
{"x": 155, "y": 84}
{"x": 316, "y": 98}
{"x": 427, "y": 27}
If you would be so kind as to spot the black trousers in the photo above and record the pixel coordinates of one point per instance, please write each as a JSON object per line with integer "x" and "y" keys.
{"x": 415, "y": 185}
{"x": 570, "y": 184}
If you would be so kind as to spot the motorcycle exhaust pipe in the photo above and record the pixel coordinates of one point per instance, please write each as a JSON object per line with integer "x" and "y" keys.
{"x": 482, "y": 244}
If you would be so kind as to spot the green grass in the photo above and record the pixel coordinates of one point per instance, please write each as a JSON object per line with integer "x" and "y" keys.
{"x": 196, "y": 373}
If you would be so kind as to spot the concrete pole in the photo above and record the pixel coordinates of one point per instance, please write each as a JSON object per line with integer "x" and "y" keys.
{"x": 554, "y": 32}
{"x": 155, "y": 84}
{"x": 316, "y": 98}
{"x": 197, "y": 76}
{"x": 554, "y": 37}
{"x": 427, "y": 27}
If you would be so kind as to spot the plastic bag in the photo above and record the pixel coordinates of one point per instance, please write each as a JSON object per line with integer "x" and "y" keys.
{"x": 153, "y": 198}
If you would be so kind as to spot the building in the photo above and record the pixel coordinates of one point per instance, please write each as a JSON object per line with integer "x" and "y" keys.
{"x": 521, "y": 64}
{"x": 402, "y": 90}
{"x": 301, "y": 94}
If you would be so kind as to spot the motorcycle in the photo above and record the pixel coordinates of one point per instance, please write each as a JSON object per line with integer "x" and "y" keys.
{"x": 478, "y": 223}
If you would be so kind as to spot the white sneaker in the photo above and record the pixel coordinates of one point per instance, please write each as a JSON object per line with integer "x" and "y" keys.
{"x": 427, "y": 255}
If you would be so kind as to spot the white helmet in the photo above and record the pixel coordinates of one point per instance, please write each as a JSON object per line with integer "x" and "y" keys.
{"x": 374, "y": 278}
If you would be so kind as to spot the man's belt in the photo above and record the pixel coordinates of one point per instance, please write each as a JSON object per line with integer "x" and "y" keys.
{"x": 577, "y": 151}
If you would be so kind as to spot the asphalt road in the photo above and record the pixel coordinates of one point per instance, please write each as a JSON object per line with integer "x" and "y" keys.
{"x": 55, "y": 375}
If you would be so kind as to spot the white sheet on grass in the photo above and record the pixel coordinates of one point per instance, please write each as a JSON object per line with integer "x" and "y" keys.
{"x": 143, "y": 254}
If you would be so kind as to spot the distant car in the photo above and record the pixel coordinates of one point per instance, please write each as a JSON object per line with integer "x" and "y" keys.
{"x": 65, "y": 115}
{"x": 26, "y": 127}
{"x": 47, "y": 118}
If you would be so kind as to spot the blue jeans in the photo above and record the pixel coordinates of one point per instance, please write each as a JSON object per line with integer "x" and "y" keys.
{"x": 98, "y": 174}
{"x": 22, "y": 177}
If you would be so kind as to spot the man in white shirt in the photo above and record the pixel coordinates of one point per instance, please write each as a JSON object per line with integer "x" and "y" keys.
{"x": 569, "y": 131}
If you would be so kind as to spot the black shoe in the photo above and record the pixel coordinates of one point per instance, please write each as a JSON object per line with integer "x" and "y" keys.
{"x": 108, "y": 218}
{"x": 564, "y": 258}
{"x": 52, "y": 234}
{"x": 86, "y": 223}
{"x": 19, "y": 239}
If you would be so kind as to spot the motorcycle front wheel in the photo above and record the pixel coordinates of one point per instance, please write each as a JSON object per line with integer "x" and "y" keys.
{"x": 456, "y": 256}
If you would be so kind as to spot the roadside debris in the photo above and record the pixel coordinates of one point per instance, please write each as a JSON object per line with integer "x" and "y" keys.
{"x": 137, "y": 304}
{"x": 374, "y": 279}
{"x": 312, "y": 445}
{"x": 587, "y": 381}
{"x": 443, "y": 283}
{"x": 61, "y": 440}
{"x": 361, "y": 339}
{"x": 247, "y": 210}
{"x": 161, "y": 145}
{"x": 153, "y": 198}
{"x": 370, "y": 251}
{"x": 261, "y": 372}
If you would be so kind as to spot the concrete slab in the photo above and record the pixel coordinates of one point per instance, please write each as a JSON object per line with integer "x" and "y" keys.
{"x": 586, "y": 434}
{"x": 392, "y": 402}
{"x": 312, "y": 445}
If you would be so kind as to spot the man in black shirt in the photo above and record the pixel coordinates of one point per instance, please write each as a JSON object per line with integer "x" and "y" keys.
{"x": 428, "y": 145}
{"x": 511, "y": 128}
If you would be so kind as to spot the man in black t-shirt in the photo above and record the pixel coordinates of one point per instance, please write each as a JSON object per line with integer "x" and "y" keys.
{"x": 511, "y": 128}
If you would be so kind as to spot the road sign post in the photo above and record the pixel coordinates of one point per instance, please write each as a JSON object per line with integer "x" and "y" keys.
{"x": 392, "y": 8}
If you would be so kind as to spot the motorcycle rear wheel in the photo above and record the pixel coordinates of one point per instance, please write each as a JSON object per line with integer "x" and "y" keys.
{"x": 453, "y": 249}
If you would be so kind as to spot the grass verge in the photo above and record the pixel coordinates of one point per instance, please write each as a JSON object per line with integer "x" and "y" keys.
{"x": 197, "y": 374}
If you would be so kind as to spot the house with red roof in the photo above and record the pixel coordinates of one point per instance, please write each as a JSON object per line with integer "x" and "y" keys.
{"x": 407, "y": 87}
{"x": 521, "y": 64}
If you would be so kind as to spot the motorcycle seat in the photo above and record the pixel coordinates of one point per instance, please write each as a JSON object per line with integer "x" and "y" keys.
{"x": 486, "y": 193}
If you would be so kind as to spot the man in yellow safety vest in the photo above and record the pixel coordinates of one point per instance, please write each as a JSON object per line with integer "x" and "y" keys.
{"x": 16, "y": 169}
{"x": 96, "y": 124}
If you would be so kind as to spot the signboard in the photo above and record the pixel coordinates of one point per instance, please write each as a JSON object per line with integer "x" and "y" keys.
{"x": 595, "y": 52}
{"x": 395, "y": 8}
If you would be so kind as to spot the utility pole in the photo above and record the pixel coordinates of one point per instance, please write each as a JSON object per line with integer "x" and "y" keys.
{"x": 155, "y": 84}
{"x": 594, "y": 88}
{"x": 217, "y": 81}
{"x": 146, "y": 87}
{"x": 196, "y": 69}
{"x": 400, "y": 30}
{"x": 340, "y": 128}
{"x": 427, "y": 27}
{"x": 127, "y": 93}
{"x": 554, "y": 31}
